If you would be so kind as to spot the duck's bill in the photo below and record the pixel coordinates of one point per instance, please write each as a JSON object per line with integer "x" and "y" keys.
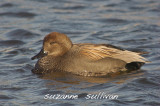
{"x": 39, "y": 55}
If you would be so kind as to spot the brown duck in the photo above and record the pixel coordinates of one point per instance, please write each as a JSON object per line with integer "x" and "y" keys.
{"x": 59, "y": 54}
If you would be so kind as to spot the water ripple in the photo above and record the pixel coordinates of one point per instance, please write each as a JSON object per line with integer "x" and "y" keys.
{"x": 18, "y": 14}
{"x": 20, "y": 34}
{"x": 11, "y": 43}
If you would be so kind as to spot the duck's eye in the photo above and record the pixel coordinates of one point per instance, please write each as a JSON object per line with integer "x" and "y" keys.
{"x": 52, "y": 43}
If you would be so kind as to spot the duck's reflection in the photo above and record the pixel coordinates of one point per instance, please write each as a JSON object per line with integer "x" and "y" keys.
{"x": 67, "y": 78}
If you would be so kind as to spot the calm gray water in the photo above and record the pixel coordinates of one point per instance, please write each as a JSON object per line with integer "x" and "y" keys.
{"x": 130, "y": 24}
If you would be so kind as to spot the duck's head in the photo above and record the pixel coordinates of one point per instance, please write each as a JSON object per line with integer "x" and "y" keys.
{"x": 55, "y": 44}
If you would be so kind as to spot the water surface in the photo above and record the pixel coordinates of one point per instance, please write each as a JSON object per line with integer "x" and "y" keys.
{"x": 130, "y": 24}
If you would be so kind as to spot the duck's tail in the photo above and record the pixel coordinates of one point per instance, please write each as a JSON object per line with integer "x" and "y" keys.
{"x": 134, "y": 65}
{"x": 132, "y": 57}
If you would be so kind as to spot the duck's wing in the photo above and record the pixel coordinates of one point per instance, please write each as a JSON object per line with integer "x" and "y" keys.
{"x": 100, "y": 51}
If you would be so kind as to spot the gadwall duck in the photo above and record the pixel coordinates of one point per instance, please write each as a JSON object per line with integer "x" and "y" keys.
{"x": 59, "y": 54}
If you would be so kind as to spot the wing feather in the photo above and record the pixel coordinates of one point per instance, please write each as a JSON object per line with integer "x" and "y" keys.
{"x": 97, "y": 52}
